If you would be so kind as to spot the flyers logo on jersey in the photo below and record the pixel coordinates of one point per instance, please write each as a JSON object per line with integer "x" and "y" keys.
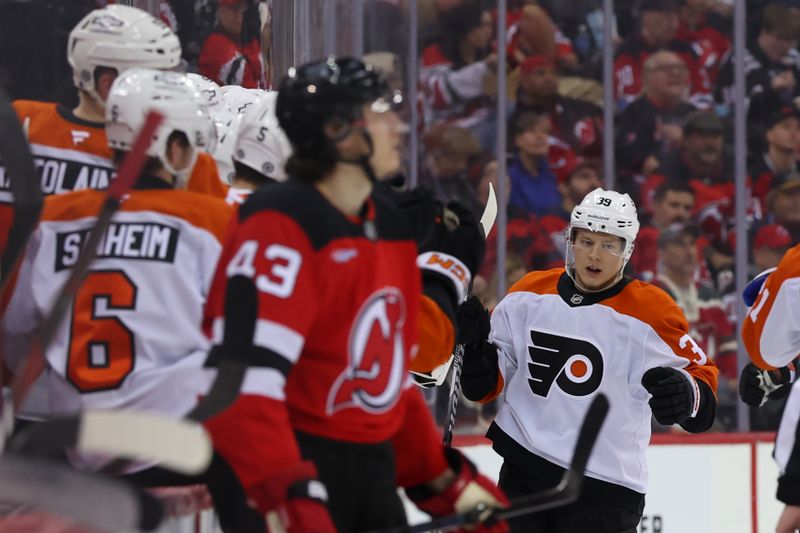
{"x": 375, "y": 373}
{"x": 575, "y": 366}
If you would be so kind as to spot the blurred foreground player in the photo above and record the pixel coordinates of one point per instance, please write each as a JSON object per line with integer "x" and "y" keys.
{"x": 327, "y": 402}
{"x": 561, "y": 336}
{"x": 771, "y": 334}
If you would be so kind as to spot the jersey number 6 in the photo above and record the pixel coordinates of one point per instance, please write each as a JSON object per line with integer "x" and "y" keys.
{"x": 101, "y": 348}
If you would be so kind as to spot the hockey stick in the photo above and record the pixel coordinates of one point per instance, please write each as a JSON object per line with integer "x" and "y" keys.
{"x": 179, "y": 445}
{"x": 126, "y": 177}
{"x": 24, "y": 184}
{"x": 101, "y": 503}
{"x": 567, "y": 491}
{"x": 232, "y": 360}
{"x": 487, "y": 222}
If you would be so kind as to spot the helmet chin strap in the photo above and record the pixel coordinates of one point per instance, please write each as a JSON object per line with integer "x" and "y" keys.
{"x": 363, "y": 161}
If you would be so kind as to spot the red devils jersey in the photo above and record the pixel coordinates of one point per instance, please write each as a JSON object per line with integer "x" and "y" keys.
{"x": 338, "y": 301}
{"x": 228, "y": 62}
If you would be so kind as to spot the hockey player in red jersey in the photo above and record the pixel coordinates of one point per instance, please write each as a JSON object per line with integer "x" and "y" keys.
{"x": 327, "y": 402}
{"x": 771, "y": 334}
{"x": 560, "y": 337}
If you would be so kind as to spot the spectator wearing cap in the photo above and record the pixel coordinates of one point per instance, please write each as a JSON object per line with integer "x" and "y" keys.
{"x": 451, "y": 151}
{"x": 453, "y": 71}
{"x": 783, "y": 204}
{"x": 575, "y": 122}
{"x": 534, "y": 188}
{"x": 772, "y": 62}
{"x": 672, "y": 203}
{"x": 703, "y": 307}
{"x": 771, "y": 243}
{"x": 708, "y": 31}
{"x": 658, "y": 27}
{"x": 650, "y": 127}
{"x": 229, "y": 56}
{"x": 778, "y": 162}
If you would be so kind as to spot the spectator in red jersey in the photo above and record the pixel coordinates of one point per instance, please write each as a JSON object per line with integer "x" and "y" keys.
{"x": 451, "y": 151}
{"x": 673, "y": 203}
{"x": 783, "y": 203}
{"x": 575, "y": 122}
{"x": 772, "y": 62}
{"x": 779, "y": 160}
{"x": 225, "y": 58}
{"x": 534, "y": 187}
{"x": 453, "y": 70}
{"x": 708, "y": 321}
{"x": 770, "y": 245}
{"x": 707, "y": 31}
{"x": 650, "y": 127}
{"x": 659, "y": 25}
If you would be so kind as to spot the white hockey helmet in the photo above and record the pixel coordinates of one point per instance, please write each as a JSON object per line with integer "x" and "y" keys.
{"x": 261, "y": 143}
{"x": 606, "y": 212}
{"x": 237, "y": 100}
{"x": 120, "y": 37}
{"x": 212, "y": 92}
{"x": 138, "y": 91}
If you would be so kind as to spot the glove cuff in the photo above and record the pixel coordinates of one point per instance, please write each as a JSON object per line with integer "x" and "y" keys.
{"x": 286, "y": 483}
{"x": 695, "y": 393}
{"x": 452, "y": 268}
{"x": 444, "y": 502}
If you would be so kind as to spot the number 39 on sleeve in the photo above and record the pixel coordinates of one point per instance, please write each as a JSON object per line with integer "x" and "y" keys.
{"x": 282, "y": 266}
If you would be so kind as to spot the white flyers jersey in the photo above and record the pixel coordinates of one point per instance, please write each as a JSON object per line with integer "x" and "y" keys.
{"x": 558, "y": 348}
{"x": 132, "y": 337}
{"x": 771, "y": 330}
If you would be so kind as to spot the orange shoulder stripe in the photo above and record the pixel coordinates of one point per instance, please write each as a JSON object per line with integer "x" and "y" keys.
{"x": 205, "y": 178}
{"x": 539, "y": 282}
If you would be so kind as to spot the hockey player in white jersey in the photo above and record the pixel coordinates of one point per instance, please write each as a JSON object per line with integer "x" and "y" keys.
{"x": 260, "y": 151}
{"x": 771, "y": 334}
{"x": 562, "y": 336}
{"x": 132, "y": 337}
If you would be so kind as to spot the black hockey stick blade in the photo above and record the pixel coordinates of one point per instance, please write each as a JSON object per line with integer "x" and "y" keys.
{"x": 23, "y": 183}
{"x": 567, "y": 491}
{"x": 96, "y": 501}
{"x": 179, "y": 445}
{"x": 128, "y": 174}
{"x": 234, "y": 355}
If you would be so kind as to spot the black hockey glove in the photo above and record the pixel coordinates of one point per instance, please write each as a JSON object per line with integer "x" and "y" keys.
{"x": 480, "y": 370}
{"x": 756, "y": 386}
{"x": 453, "y": 254}
{"x": 419, "y": 208}
{"x": 473, "y": 325}
{"x": 673, "y": 395}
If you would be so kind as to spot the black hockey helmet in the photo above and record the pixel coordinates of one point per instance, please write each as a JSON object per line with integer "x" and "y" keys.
{"x": 316, "y": 93}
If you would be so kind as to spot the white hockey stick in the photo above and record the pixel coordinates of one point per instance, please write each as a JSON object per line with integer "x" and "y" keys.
{"x": 487, "y": 222}
{"x": 96, "y": 501}
{"x": 179, "y": 445}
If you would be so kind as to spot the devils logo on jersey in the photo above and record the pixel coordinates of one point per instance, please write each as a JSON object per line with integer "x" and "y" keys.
{"x": 575, "y": 366}
{"x": 376, "y": 370}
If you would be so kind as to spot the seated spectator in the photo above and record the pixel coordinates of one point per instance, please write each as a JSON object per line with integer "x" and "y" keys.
{"x": 771, "y": 243}
{"x": 583, "y": 179}
{"x": 650, "y": 127}
{"x": 526, "y": 235}
{"x": 772, "y": 62}
{"x": 707, "y": 31}
{"x": 453, "y": 71}
{"x": 778, "y": 162}
{"x": 783, "y": 204}
{"x": 228, "y": 57}
{"x": 705, "y": 311}
{"x": 575, "y": 122}
{"x": 534, "y": 187}
{"x": 659, "y": 24}
{"x": 673, "y": 203}
{"x": 444, "y": 171}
